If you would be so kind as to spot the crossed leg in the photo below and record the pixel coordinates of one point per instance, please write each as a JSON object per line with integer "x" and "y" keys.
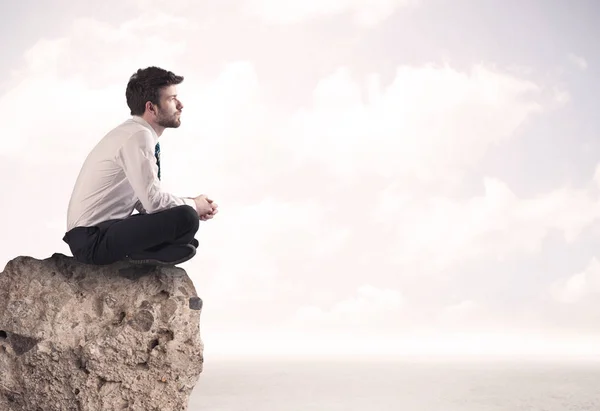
{"x": 144, "y": 232}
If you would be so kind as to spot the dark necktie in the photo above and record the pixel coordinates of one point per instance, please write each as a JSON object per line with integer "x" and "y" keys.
{"x": 157, "y": 155}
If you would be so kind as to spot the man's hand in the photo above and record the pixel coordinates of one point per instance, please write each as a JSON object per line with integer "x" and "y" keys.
{"x": 205, "y": 207}
{"x": 214, "y": 211}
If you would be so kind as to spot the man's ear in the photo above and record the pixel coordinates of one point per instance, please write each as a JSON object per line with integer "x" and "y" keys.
{"x": 151, "y": 107}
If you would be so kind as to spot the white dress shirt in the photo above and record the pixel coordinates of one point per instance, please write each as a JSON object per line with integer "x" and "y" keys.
{"x": 119, "y": 175}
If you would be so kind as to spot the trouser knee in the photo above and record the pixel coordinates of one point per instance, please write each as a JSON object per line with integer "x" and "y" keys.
{"x": 188, "y": 218}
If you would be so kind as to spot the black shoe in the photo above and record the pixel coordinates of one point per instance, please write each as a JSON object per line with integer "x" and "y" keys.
{"x": 195, "y": 243}
{"x": 168, "y": 255}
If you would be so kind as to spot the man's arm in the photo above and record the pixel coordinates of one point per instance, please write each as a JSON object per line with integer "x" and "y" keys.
{"x": 136, "y": 157}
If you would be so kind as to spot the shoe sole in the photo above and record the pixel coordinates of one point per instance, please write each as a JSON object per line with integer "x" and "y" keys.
{"x": 152, "y": 261}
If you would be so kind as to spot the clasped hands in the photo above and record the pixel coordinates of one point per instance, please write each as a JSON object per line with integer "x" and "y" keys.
{"x": 205, "y": 207}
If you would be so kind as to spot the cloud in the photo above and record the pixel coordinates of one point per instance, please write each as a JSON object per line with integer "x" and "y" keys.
{"x": 578, "y": 61}
{"x": 529, "y": 345}
{"x": 440, "y": 232}
{"x": 458, "y": 313}
{"x": 579, "y": 287}
{"x": 365, "y": 13}
{"x": 370, "y": 307}
{"x": 66, "y": 114}
{"x": 102, "y": 52}
{"x": 429, "y": 119}
{"x": 247, "y": 250}
{"x": 69, "y": 83}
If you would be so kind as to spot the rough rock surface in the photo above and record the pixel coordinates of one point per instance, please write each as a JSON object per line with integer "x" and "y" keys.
{"x": 82, "y": 337}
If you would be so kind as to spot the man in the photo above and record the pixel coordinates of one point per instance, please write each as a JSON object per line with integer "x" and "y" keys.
{"x": 122, "y": 173}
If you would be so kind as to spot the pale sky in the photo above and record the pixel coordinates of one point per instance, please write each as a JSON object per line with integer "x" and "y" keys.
{"x": 394, "y": 176}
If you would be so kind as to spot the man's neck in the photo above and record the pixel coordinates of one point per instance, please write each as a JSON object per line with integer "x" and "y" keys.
{"x": 158, "y": 129}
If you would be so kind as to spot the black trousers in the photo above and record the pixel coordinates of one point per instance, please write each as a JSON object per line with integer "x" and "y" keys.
{"x": 110, "y": 241}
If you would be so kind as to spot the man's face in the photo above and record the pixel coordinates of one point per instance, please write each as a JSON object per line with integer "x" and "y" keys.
{"x": 169, "y": 108}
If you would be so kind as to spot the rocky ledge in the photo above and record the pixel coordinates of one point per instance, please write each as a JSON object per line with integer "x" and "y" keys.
{"x": 82, "y": 337}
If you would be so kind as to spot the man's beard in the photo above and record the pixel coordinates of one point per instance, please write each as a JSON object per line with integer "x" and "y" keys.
{"x": 168, "y": 121}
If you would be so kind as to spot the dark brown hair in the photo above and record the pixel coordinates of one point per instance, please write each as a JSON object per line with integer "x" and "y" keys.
{"x": 145, "y": 85}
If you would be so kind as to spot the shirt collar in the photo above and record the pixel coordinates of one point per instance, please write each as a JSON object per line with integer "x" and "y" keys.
{"x": 140, "y": 120}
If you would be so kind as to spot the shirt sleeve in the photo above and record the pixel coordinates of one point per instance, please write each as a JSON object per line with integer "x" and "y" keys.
{"x": 136, "y": 157}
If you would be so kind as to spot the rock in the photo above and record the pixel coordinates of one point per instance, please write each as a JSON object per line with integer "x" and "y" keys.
{"x": 82, "y": 337}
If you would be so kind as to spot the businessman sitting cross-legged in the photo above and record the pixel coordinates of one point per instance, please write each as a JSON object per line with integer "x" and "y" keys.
{"x": 122, "y": 173}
